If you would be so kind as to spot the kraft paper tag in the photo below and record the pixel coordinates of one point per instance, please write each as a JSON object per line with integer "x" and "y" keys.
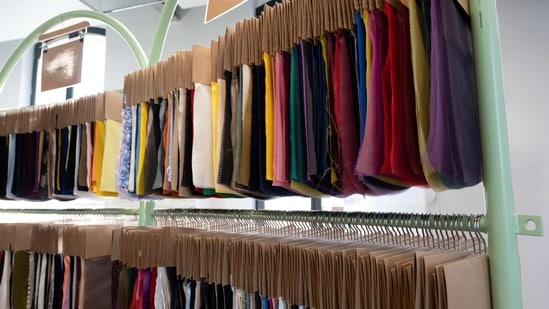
{"x": 430, "y": 263}
{"x": 467, "y": 283}
{"x": 201, "y": 71}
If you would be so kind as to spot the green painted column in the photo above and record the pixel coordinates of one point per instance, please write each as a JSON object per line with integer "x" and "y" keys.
{"x": 502, "y": 222}
{"x": 162, "y": 30}
{"x": 134, "y": 45}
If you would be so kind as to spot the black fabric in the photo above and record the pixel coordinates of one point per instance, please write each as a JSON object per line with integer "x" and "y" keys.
{"x": 333, "y": 140}
{"x": 320, "y": 121}
{"x": 182, "y": 298}
{"x": 61, "y": 158}
{"x": 207, "y": 296}
{"x": 192, "y": 288}
{"x": 19, "y": 176}
{"x": 4, "y": 154}
{"x": 43, "y": 184}
{"x": 58, "y": 281}
{"x": 258, "y": 300}
{"x": 187, "y": 177}
{"x": 116, "y": 267}
{"x": 228, "y": 296}
{"x": 151, "y": 148}
{"x": 219, "y": 294}
{"x": 82, "y": 171}
{"x": 71, "y": 162}
{"x": 226, "y": 160}
{"x": 132, "y": 278}
{"x": 258, "y": 130}
{"x": 175, "y": 290}
{"x": 2, "y": 258}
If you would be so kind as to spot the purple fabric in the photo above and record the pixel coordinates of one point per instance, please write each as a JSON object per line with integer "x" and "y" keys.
{"x": 371, "y": 152}
{"x": 306, "y": 98}
{"x": 453, "y": 144}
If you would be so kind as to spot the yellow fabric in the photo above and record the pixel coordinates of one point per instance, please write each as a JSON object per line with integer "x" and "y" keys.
{"x": 269, "y": 117}
{"x": 245, "y": 153}
{"x": 218, "y": 105}
{"x": 369, "y": 49}
{"x": 420, "y": 66}
{"x": 215, "y": 110}
{"x": 305, "y": 189}
{"x": 113, "y": 130}
{"x": 98, "y": 150}
{"x": 140, "y": 189}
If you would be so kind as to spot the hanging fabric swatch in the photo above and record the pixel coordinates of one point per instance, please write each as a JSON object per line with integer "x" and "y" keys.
{"x": 454, "y": 139}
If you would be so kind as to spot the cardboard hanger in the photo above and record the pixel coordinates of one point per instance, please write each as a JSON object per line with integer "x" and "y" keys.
{"x": 201, "y": 64}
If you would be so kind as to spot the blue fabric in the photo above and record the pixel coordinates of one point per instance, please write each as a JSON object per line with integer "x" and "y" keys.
{"x": 123, "y": 166}
{"x": 361, "y": 56}
{"x": 137, "y": 142}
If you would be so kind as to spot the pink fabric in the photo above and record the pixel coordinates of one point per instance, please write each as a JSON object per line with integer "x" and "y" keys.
{"x": 281, "y": 95}
{"x": 66, "y": 282}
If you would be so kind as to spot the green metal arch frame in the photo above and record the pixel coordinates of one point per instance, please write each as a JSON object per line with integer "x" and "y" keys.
{"x": 134, "y": 45}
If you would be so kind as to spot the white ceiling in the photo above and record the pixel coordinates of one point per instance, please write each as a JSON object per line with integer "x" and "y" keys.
{"x": 18, "y": 18}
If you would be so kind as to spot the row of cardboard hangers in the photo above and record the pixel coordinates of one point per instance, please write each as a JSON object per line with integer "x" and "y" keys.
{"x": 105, "y": 105}
{"x": 276, "y": 30}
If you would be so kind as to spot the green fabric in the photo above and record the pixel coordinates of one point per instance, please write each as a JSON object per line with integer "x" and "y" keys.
{"x": 297, "y": 167}
{"x": 20, "y": 280}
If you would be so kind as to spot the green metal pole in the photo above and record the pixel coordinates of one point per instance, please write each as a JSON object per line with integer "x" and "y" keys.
{"x": 134, "y": 45}
{"x": 162, "y": 30}
{"x": 145, "y": 213}
{"x": 502, "y": 222}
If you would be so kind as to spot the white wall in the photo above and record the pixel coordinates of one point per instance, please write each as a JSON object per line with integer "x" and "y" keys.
{"x": 525, "y": 47}
{"x": 17, "y": 88}
{"x": 183, "y": 33}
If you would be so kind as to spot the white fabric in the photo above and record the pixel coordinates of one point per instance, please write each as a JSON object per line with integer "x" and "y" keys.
{"x": 281, "y": 303}
{"x": 171, "y": 107}
{"x": 162, "y": 294}
{"x": 187, "y": 290}
{"x": 203, "y": 176}
{"x": 42, "y": 280}
{"x": 5, "y": 281}
{"x": 181, "y": 114}
{"x": 11, "y": 167}
{"x": 30, "y": 292}
{"x": 36, "y": 281}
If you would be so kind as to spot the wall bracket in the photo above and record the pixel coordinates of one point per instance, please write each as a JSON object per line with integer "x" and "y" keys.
{"x": 529, "y": 225}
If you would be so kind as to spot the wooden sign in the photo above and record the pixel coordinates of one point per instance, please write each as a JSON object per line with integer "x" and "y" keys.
{"x": 62, "y": 65}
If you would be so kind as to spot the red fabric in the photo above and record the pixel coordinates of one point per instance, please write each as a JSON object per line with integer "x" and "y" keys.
{"x": 344, "y": 108}
{"x": 152, "y": 290}
{"x": 401, "y": 153}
